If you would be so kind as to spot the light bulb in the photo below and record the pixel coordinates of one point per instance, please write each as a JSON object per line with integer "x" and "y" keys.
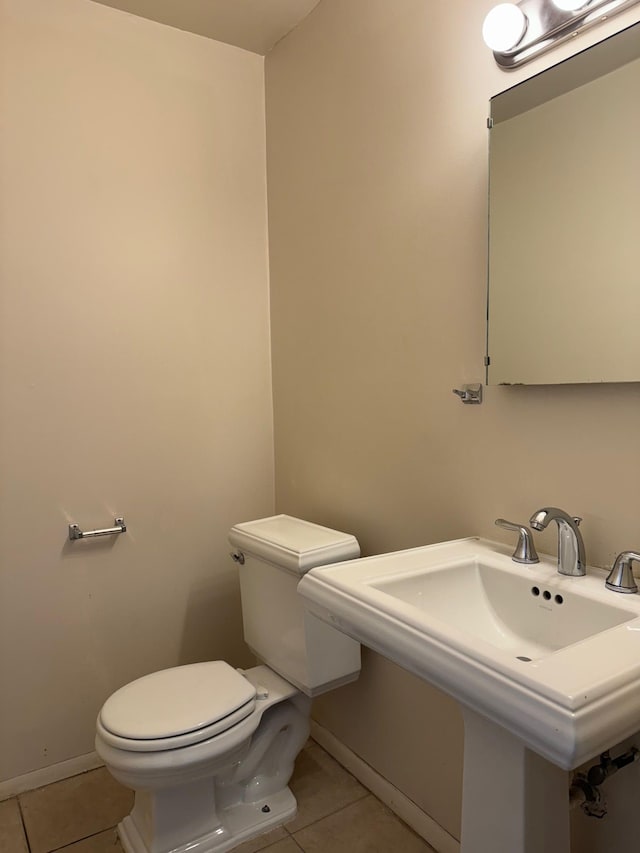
{"x": 504, "y": 26}
{"x": 570, "y": 5}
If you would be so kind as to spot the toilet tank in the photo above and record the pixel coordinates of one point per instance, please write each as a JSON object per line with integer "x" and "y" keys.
{"x": 272, "y": 555}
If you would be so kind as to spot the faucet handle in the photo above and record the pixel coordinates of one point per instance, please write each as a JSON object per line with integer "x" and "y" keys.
{"x": 525, "y": 549}
{"x": 621, "y": 577}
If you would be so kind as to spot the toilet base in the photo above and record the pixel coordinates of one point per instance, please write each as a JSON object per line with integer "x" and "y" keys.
{"x": 210, "y": 797}
{"x": 241, "y": 822}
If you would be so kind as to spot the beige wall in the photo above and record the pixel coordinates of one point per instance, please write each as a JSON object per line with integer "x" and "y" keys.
{"x": 377, "y": 176}
{"x": 134, "y": 357}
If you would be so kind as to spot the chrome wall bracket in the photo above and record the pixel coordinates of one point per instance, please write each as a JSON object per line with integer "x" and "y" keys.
{"x": 470, "y": 394}
{"x": 76, "y": 533}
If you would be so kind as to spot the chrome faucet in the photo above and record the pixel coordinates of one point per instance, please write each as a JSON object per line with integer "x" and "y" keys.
{"x": 571, "y": 556}
{"x": 525, "y": 549}
{"x": 621, "y": 577}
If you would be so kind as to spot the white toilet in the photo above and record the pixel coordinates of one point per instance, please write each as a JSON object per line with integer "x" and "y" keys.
{"x": 209, "y": 750}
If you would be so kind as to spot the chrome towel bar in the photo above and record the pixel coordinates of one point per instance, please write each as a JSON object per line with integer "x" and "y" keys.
{"x": 76, "y": 533}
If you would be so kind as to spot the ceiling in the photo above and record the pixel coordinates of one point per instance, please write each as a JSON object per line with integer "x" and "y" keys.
{"x": 254, "y": 25}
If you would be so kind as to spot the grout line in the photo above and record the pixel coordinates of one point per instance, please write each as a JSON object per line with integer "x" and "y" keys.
{"x": 78, "y": 840}
{"x": 334, "y": 812}
{"x": 24, "y": 825}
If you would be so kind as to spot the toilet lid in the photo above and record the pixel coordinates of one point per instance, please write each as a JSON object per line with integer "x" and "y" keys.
{"x": 177, "y": 701}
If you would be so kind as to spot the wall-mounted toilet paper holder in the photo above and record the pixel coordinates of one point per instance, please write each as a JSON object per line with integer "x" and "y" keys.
{"x": 76, "y": 533}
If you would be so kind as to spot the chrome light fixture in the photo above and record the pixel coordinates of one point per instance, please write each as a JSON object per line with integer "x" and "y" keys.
{"x": 519, "y": 32}
{"x": 504, "y": 27}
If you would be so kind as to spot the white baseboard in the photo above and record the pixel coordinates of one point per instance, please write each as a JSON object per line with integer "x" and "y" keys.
{"x": 399, "y": 803}
{"x": 47, "y": 775}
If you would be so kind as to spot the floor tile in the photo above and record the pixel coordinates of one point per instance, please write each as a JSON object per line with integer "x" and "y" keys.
{"x": 12, "y": 839}
{"x": 321, "y": 786}
{"x": 262, "y": 841}
{"x": 366, "y": 826}
{"x": 73, "y": 809}
{"x": 103, "y": 842}
{"x": 287, "y": 845}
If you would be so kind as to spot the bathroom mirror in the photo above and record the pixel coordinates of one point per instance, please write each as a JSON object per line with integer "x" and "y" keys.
{"x": 564, "y": 221}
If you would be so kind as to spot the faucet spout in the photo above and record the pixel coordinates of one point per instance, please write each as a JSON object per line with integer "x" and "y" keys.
{"x": 571, "y": 554}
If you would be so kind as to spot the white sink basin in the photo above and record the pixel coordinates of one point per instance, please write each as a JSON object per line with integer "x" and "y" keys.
{"x": 554, "y": 660}
{"x": 507, "y": 609}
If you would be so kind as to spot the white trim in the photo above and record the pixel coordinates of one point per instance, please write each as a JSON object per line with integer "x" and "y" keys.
{"x": 47, "y": 775}
{"x": 399, "y": 803}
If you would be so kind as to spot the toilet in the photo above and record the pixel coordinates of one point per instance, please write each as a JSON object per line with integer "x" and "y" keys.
{"x": 208, "y": 749}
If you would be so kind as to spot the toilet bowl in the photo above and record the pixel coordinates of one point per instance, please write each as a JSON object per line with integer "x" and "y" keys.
{"x": 209, "y": 750}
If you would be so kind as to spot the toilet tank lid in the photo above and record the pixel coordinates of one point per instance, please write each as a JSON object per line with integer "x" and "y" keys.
{"x": 292, "y": 543}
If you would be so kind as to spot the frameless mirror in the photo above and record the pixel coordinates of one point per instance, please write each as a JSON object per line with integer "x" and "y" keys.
{"x": 564, "y": 221}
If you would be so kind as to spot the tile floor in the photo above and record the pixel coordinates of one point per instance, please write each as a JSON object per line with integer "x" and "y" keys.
{"x": 335, "y": 815}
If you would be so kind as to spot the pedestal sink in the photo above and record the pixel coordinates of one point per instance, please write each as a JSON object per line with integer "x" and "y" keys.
{"x": 546, "y": 667}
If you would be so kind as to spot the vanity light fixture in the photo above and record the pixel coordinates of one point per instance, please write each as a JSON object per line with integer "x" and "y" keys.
{"x": 519, "y": 32}
{"x": 570, "y": 5}
{"x": 504, "y": 27}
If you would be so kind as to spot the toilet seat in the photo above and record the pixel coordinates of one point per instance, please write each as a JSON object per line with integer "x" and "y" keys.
{"x": 190, "y": 704}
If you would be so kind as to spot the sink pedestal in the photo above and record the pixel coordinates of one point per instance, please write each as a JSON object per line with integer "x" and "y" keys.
{"x": 513, "y": 801}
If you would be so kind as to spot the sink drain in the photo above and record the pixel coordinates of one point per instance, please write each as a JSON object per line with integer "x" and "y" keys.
{"x": 523, "y": 657}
